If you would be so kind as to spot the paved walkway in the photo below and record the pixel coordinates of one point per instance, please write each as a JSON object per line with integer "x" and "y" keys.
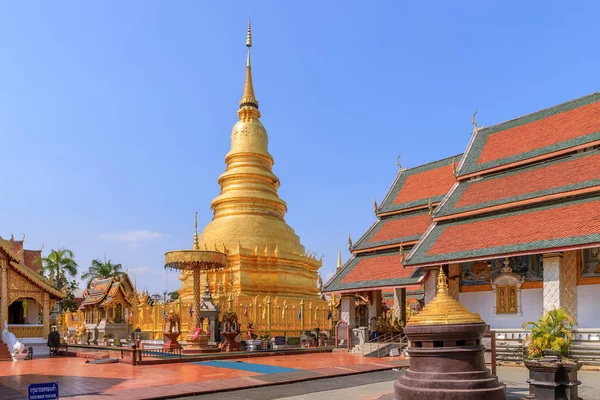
{"x": 77, "y": 379}
{"x": 380, "y": 385}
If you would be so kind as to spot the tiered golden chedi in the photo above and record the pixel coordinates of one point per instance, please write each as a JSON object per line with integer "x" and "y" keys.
{"x": 264, "y": 254}
{"x": 444, "y": 309}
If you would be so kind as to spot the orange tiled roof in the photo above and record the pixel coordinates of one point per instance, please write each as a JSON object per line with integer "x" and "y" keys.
{"x": 367, "y": 272}
{"x": 407, "y": 227}
{"x": 415, "y": 186}
{"x": 543, "y": 134}
{"x": 567, "y": 225}
{"x": 432, "y": 183}
{"x": 575, "y": 172}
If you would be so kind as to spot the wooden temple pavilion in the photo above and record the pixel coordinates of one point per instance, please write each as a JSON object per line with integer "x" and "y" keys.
{"x": 519, "y": 232}
{"x": 24, "y": 293}
{"x": 375, "y": 272}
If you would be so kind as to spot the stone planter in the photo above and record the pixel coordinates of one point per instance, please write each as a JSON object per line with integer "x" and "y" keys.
{"x": 552, "y": 378}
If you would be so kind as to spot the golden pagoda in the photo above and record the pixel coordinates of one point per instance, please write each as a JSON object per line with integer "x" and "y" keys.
{"x": 265, "y": 256}
{"x": 444, "y": 309}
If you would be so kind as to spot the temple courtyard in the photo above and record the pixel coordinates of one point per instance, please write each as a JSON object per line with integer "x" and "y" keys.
{"x": 305, "y": 376}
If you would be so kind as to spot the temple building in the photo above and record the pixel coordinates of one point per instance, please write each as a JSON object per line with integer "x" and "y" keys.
{"x": 264, "y": 255}
{"x": 107, "y": 307}
{"x": 375, "y": 271}
{"x": 519, "y": 232}
{"x": 24, "y": 293}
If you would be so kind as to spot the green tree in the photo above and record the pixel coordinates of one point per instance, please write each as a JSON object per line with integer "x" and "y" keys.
{"x": 554, "y": 331}
{"x": 68, "y": 304}
{"x": 174, "y": 295}
{"x": 57, "y": 265}
{"x": 101, "y": 270}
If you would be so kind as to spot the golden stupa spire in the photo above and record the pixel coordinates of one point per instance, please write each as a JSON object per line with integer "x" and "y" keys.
{"x": 444, "y": 309}
{"x": 248, "y": 103}
{"x": 339, "y": 261}
{"x": 196, "y": 243}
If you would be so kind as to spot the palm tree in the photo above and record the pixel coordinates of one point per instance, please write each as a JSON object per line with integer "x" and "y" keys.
{"x": 102, "y": 270}
{"x": 554, "y": 331}
{"x": 57, "y": 265}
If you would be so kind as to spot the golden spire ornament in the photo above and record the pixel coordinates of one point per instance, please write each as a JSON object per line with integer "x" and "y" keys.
{"x": 248, "y": 104}
{"x": 444, "y": 309}
{"x": 196, "y": 245}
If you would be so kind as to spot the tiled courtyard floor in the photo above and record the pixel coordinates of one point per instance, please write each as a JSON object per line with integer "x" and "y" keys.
{"x": 77, "y": 379}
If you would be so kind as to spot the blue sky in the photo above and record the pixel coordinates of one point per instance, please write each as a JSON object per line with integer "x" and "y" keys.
{"x": 115, "y": 116}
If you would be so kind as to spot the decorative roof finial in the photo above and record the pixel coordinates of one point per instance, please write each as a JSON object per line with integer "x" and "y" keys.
{"x": 475, "y": 127}
{"x": 349, "y": 243}
{"x": 339, "y": 261}
{"x": 196, "y": 245}
{"x": 398, "y": 162}
{"x": 454, "y": 167}
{"x": 430, "y": 206}
{"x": 402, "y": 254}
{"x": 248, "y": 103}
{"x": 375, "y": 206}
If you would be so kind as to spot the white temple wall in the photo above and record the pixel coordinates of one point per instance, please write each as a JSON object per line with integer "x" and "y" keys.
{"x": 484, "y": 303}
{"x": 588, "y": 306}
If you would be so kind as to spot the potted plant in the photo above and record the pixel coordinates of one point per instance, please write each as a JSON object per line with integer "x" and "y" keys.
{"x": 550, "y": 375}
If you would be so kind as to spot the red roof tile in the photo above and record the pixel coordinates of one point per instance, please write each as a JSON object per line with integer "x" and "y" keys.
{"x": 378, "y": 268}
{"x": 31, "y": 259}
{"x": 404, "y": 227}
{"x": 553, "y": 223}
{"x": 535, "y": 180}
{"x": 426, "y": 184}
{"x": 541, "y": 133}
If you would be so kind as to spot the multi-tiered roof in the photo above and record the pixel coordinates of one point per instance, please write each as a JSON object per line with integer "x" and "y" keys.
{"x": 525, "y": 186}
{"x": 402, "y": 218}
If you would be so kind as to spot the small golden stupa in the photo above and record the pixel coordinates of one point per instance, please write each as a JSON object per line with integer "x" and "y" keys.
{"x": 264, "y": 254}
{"x": 444, "y": 309}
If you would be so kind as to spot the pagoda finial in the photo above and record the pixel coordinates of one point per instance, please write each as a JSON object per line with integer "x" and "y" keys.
{"x": 349, "y": 243}
{"x": 196, "y": 245}
{"x": 339, "y": 260}
{"x": 248, "y": 103}
{"x": 442, "y": 285}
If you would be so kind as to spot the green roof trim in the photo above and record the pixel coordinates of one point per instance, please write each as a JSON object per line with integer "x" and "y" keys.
{"x": 449, "y": 206}
{"x": 388, "y": 202}
{"x": 364, "y": 242}
{"x": 419, "y": 257}
{"x": 335, "y": 284}
{"x": 470, "y": 164}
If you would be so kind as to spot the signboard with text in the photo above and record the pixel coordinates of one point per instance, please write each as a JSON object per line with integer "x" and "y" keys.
{"x": 42, "y": 391}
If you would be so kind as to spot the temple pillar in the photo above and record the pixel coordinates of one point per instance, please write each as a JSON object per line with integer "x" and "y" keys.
{"x": 560, "y": 281}
{"x": 430, "y": 284}
{"x": 348, "y": 309}
{"x": 3, "y": 293}
{"x": 46, "y": 315}
{"x": 400, "y": 304}
{"x": 374, "y": 308}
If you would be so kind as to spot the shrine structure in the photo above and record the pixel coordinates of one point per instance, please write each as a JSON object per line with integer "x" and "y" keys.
{"x": 375, "y": 276}
{"x": 264, "y": 255}
{"x": 107, "y": 307}
{"x": 519, "y": 232}
{"x": 24, "y": 293}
